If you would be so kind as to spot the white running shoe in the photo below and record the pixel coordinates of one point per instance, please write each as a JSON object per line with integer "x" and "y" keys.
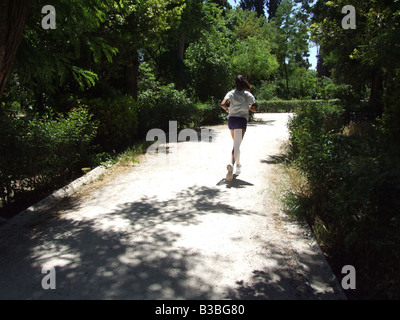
{"x": 229, "y": 175}
{"x": 238, "y": 169}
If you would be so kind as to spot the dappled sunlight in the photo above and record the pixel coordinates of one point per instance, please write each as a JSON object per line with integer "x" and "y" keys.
{"x": 119, "y": 170}
{"x": 166, "y": 232}
{"x": 134, "y": 251}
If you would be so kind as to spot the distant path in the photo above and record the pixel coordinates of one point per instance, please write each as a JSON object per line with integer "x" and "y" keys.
{"x": 173, "y": 230}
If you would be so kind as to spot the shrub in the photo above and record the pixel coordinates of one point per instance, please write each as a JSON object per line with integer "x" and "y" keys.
{"x": 209, "y": 113}
{"x": 266, "y": 91}
{"x": 159, "y": 106}
{"x": 352, "y": 200}
{"x": 43, "y": 152}
{"x": 118, "y": 121}
{"x": 278, "y": 106}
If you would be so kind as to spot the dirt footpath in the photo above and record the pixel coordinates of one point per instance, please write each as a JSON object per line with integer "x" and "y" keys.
{"x": 171, "y": 227}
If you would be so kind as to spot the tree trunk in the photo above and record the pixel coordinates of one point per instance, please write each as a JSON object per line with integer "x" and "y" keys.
{"x": 375, "y": 100}
{"x": 131, "y": 75}
{"x": 392, "y": 95}
{"x": 181, "y": 47}
{"x": 286, "y": 76}
{"x": 179, "y": 81}
{"x": 13, "y": 17}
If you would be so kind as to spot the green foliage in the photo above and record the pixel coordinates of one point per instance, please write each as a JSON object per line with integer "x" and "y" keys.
{"x": 42, "y": 152}
{"x": 265, "y": 91}
{"x": 84, "y": 78}
{"x": 159, "y": 106}
{"x": 306, "y": 85}
{"x": 209, "y": 64}
{"x": 64, "y": 48}
{"x": 246, "y": 24}
{"x": 311, "y": 130}
{"x": 253, "y": 58}
{"x": 291, "y": 105}
{"x": 365, "y": 57}
{"x": 289, "y": 31}
{"x": 209, "y": 113}
{"x": 147, "y": 78}
{"x": 118, "y": 120}
{"x": 352, "y": 195}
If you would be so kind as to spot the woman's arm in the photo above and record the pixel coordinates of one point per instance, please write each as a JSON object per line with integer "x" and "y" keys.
{"x": 253, "y": 107}
{"x": 224, "y": 106}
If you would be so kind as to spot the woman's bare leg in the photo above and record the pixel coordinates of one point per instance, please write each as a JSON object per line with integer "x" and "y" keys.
{"x": 236, "y": 145}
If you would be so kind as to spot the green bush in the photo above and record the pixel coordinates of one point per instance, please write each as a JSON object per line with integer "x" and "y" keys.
{"x": 118, "y": 121}
{"x": 266, "y": 91}
{"x": 352, "y": 201}
{"x": 159, "y": 106}
{"x": 209, "y": 113}
{"x": 277, "y": 106}
{"x": 42, "y": 152}
{"x": 328, "y": 89}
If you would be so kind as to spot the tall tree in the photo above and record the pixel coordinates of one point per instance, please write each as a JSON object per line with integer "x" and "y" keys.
{"x": 143, "y": 25}
{"x": 13, "y": 16}
{"x": 292, "y": 40}
{"x": 198, "y": 17}
{"x": 272, "y": 7}
{"x": 254, "y": 5}
{"x": 259, "y": 6}
{"x": 252, "y": 57}
{"x": 51, "y": 64}
{"x": 366, "y": 56}
{"x": 251, "y": 54}
{"x": 222, "y": 3}
{"x": 92, "y": 40}
{"x": 208, "y": 58}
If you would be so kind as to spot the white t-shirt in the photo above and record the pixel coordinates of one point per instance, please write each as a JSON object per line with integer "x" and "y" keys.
{"x": 240, "y": 101}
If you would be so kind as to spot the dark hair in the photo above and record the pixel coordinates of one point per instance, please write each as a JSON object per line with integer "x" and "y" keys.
{"x": 242, "y": 84}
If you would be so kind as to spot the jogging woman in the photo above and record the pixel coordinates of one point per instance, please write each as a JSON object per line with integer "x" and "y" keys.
{"x": 241, "y": 101}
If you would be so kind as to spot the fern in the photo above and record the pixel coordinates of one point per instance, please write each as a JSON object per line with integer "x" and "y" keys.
{"x": 99, "y": 47}
{"x": 85, "y": 78}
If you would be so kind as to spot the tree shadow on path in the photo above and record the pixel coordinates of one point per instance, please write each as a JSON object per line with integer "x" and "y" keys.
{"x": 126, "y": 253}
{"x": 131, "y": 252}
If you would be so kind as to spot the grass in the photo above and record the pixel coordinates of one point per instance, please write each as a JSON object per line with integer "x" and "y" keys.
{"x": 130, "y": 155}
{"x": 126, "y": 157}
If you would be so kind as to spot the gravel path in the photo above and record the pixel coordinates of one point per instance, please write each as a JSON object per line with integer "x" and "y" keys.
{"x": 171, "y": 227}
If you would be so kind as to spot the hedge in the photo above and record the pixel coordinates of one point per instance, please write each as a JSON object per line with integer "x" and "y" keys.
{"x": 278, "y": 106}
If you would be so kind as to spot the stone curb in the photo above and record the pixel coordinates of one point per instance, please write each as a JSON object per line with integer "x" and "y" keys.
{"x": 55, "y": 197}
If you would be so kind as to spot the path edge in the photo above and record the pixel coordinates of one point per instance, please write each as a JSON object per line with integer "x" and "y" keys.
{"x": 55, "y": 197}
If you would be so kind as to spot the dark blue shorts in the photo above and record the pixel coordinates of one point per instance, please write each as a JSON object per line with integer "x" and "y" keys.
{"x": 237, "y": 123}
